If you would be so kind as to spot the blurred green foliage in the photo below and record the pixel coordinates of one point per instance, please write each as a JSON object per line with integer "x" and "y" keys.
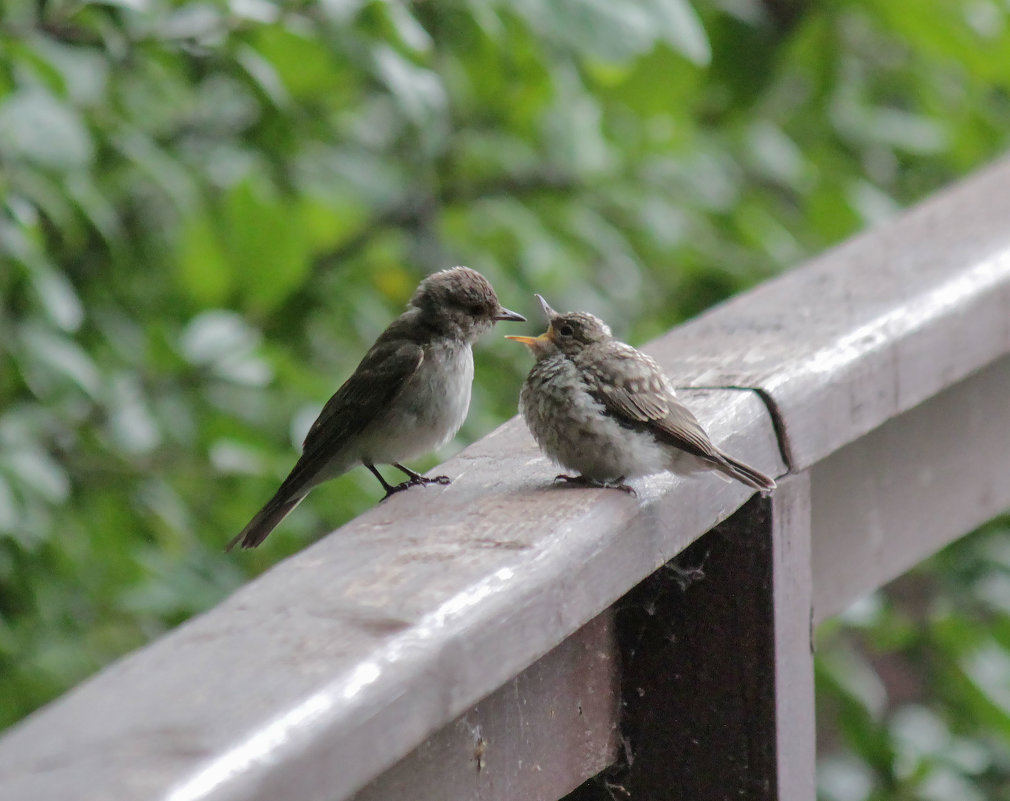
{"x": 914, "y": 682}
{"x": 209, "y": 209}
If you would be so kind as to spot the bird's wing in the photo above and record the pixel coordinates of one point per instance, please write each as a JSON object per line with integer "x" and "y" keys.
{"x": 379, "y": 377}
{"x": 382, "y": 374}
{"x": 633, "y": 389}
{"x": 682, "y": 429}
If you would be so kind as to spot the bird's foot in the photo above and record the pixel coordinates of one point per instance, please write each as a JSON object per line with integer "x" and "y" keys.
{"x": 584, "y": 481}
{"x": 423, "y": 481}
{"x": 415, "y": 480}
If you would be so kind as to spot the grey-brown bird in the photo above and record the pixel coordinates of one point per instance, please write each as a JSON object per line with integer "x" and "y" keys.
{"x": 606, "y": 410}
{"x": 408, "y": 396}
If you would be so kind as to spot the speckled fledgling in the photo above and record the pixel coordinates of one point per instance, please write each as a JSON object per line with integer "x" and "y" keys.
{"x": 605, "y": 409}
{"x": 408, "y": 396}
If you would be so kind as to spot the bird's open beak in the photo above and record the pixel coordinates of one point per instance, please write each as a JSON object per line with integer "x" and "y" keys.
{"x": 549, "y": 313}
{"x": 531, "y": 342}
{"x": 511, "y": 316}
{"x": 547, "y": 336}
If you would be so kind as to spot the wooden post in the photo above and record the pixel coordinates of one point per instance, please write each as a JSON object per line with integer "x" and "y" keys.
{"x": 717, "y": 671}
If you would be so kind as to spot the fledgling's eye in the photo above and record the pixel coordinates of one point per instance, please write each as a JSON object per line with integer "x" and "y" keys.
{"x": 566, "y": 330}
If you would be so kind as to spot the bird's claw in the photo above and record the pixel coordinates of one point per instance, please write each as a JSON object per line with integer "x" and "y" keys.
{"x": 416, "y": 481}
{"x": 583, "y": 481}
{"x": 424, "y": 481}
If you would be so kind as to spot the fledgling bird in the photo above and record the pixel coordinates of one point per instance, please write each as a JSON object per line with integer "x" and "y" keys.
{"x": 409, "y": 395}
{"x": 605, "y": 409}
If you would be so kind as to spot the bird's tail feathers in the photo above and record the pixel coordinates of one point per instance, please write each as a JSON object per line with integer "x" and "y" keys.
{"x": 265, "y": 521}
{"x": 734, "y": 468}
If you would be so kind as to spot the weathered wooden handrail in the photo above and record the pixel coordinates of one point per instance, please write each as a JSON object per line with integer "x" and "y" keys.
{"x": 505, "y": 639}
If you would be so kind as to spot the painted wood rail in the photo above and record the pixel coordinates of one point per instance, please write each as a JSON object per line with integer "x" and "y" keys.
{"x": 502, "y": 638}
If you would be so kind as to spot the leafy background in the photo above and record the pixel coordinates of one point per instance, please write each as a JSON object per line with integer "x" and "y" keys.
{"x": 209, "y": 209}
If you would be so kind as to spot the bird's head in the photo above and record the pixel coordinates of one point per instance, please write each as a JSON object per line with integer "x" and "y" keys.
{"x": 460, "y": 301}
{"x": 566, "y": 333}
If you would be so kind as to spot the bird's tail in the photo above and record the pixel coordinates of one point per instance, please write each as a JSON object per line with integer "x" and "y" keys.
{"x": 734, "y": 468}
{"x": 265, "y": 521}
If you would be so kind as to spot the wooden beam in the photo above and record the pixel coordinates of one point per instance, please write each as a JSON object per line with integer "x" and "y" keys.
{"x": 869, "y": 329}
{"x": 904, "y": 491}
{"x": 537, "y": 737}
{"x": 324, "y": 672}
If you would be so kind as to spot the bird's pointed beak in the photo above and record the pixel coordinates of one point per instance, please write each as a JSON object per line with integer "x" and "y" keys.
{"x": 508, "y": 315}
{"x": 549, "y": 313}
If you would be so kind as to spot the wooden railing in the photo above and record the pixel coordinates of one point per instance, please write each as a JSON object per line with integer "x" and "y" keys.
{"x": 506, "y": 639}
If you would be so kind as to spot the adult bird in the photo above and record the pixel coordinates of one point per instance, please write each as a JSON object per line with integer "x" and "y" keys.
{"x": 409, "y": 395}
{"x": 600, "y": 407}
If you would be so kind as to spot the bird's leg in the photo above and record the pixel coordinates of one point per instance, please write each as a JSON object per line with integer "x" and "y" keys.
{"x": 585, "y": 481}
{"x": 418, "y": 479}
{"x": 389, "y": 488}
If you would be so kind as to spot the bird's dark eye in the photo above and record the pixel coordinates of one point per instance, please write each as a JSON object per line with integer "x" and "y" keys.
{"x": 566, "y": 330}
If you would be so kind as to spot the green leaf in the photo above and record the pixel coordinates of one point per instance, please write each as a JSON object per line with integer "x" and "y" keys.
{"x": 203, "y": 268}
{"x": 58, "y": 297}
{"x": 267, "y": 243}
{"x": 302, "y": 63}
{"x": 37, "y": 127}
{"x": 618, "y": 30}
{"x": 36, "y": 470}
{"x": 51, "y": 355}
{"x": 678, "y": 25}
{"x": 418, "y": 91}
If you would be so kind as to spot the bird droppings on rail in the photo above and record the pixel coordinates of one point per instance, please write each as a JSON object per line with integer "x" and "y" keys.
{"x": 479, "y": 750}
{"x": 378, "y": 625}
{"x": 507, "y": 545}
